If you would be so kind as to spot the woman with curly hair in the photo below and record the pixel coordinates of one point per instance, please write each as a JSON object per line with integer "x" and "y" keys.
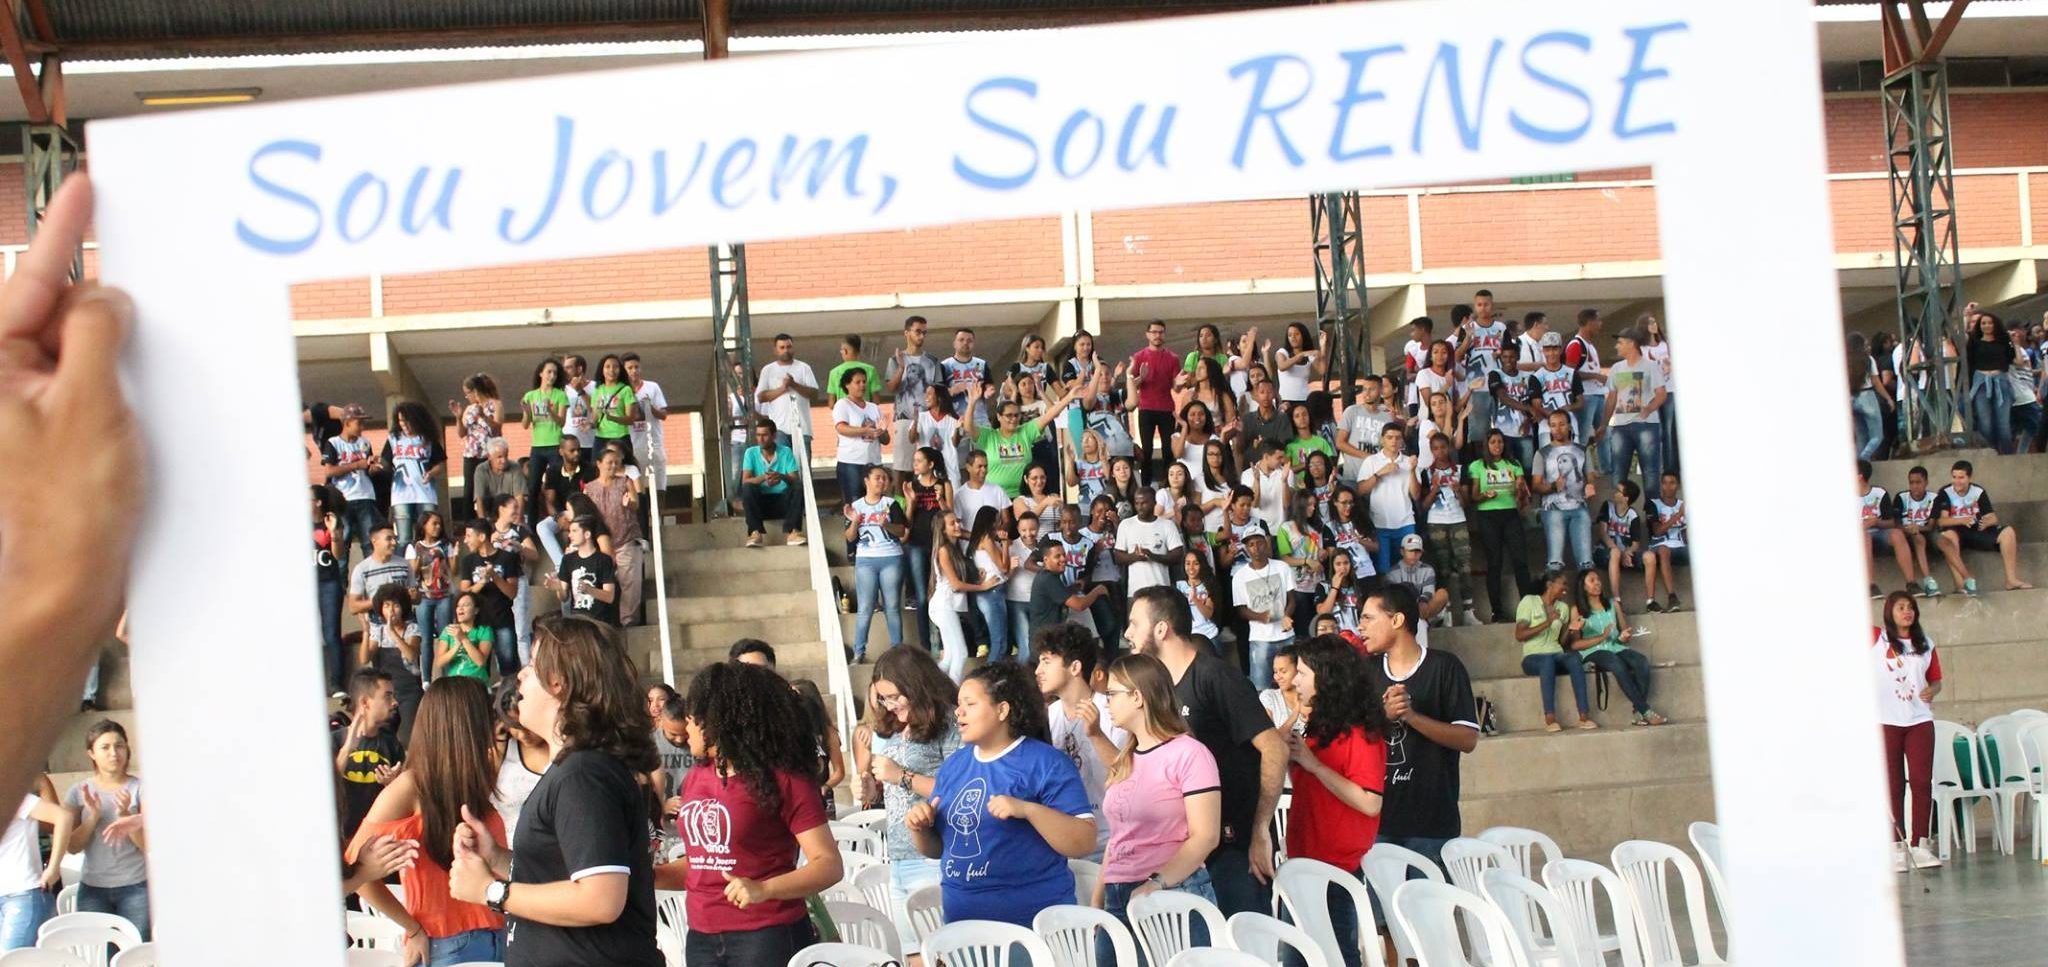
{"x": 914, "y": 733}
{"x": 1008, "y": 809}
{"x": 582, "y": 890}
{"x": 749, "y": 804}
{"x": 1339, "y": 769}
{"x": 448, "y": 766}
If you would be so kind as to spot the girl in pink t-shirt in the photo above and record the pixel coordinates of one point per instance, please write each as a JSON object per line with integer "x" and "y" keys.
{"x": 1164, "y": 802}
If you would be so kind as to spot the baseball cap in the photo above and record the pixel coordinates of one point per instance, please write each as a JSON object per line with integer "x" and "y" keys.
{"x": 1551, "y": 339}
{"x": 353, "y": 412}
{"x": 1412, "y": 542}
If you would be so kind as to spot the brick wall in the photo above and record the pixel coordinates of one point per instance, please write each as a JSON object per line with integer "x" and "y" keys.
{"x": 1231, "y": 240}
{"x": 1590, "y": 225}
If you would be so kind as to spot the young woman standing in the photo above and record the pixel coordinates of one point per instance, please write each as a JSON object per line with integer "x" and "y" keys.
{"x": 989, "y": 547}
{"x": 875, "y": 532}
{"x": 1300, "y": 540}
{"x": 926, "y": 493}
{"x": 1197, "y": 427}
{"x": 1297, "y": 363}
{"x": 1214, "y": 485}
{"x": 1498, "y": 484}
{"x": 414, "y": 454}
{"x": 542, "y": 410}
{"x": 1164, "y": 801}
{"x": 482, "y": 419}
{"x": 582, "y": 889}
{"x": 614, "y": 406}
{"x": 448, "y": 766}
{"x": 432, "y": 558}
{"x": 1338, "y": 772}
{"x": 861, "y": 431}
{"x": 953, "y": 581}
{"x": 1907, "y": 675}
{"x": 114, "y": 878}
{"x": 1009, "y": 810}
{"x": 750, "y": 805}
{"x": 914, "y": 733}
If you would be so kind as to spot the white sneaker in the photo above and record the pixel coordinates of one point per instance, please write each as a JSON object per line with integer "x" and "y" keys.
{"x": 1923, "y": 858}
{"x": 1469, "y": 619}
{"x": 1443, "y": 620}
{"x": 1898, "y": 857}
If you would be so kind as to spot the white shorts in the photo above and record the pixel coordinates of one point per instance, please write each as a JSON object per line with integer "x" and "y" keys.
{"x": 899, "y": 446}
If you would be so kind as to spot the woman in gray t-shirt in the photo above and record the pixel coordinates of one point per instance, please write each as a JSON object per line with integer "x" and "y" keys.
{"x": 114, "y": 879}
{"x": 913, "y": 734}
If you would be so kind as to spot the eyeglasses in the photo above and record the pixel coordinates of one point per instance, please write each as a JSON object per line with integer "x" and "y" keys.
{"x": 1114, "y": 692}
{"x": 892, "y": 701}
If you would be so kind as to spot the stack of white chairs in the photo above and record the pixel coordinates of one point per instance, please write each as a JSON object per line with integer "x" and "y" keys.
{"x": 1958, "y": 784}
{"x": 1581, "y": 886}
{"x": 859, "y": 839}
{"x": 2005, "y": 773}
{"x": 88, "y": 936}
{"x": 1301, "y": 889}
{"x": 1279, "y": 831}
{"x": 1265, "y": 937}
{"x": 1429, "y": 911}
{"x": 671, "y": 924}
{"x": 861, "y": 924}
{"x": 843, "y": 955}
{"x": 1070, "y": 931}
{"x": 925, "y": 908}
{"x": 1164, "y": 921}
{"x": 1706, "y": 841}
{"x": 1387, "y": 866}
{"x": 984, "y": 943}
{"x": 1643, "y": 865}
{"x": 2033, "y": 743}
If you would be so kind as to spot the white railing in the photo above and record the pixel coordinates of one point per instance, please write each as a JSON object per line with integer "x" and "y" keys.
{"x": 838, "y": 677}
{"x": 660, "y": 563}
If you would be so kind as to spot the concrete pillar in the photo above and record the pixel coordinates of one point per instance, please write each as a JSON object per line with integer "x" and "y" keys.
{"x": 2002, "y": 283}
{"x": 1389, "y": 317}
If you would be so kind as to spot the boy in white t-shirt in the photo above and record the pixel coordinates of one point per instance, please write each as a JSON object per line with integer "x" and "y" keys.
{"x": 1267, "y": 478}
{"x": 1395, "y": 487}
{"x": 1076, "y": 715}
{"x": 1260, "y": 590}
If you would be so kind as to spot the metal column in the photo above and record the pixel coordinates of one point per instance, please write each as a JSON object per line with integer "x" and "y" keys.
{"x": 732, "y": 332}
{"x": 1340, "y": 289}
{"x": 49, "y": 155}
{"x": 1925, "y": 249}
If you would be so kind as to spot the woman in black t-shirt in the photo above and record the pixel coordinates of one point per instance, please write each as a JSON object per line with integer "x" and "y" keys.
{"x": 926, "y": 493}
{"x": 1990, "y": 354}
{"x": 581, "y": 890}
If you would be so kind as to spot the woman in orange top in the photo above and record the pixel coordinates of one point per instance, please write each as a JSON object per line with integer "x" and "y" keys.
{"x": 449, "y": 765}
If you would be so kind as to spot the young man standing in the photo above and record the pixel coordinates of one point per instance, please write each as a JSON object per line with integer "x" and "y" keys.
{"x": 382, "y": 567}
{"x": 1146, "y": 545}
{"x": 349, "y": 460}
{"x": 367, "y": 755}
{"x": 588, "y": 581}
{"x": 1483, "y": 338}
{"x": 911, "y": 369}
{"x": 1514, "y": 415}
{"x": 1154, "y": 369}
{"x": 1260, "y": 589}
{"x": 1555, "y": 386}
{"x": 1075, "y": 713}
{"x": 1963, "y": 512}
{"x": 1265, "y": 421}
{"x": 766, "y": 473}
{"x": 1535, "y": 327}
{"x": 1358, "y": 432}
{"x": 1581, "y": 354}
{"x": 649, "y": 446}
{"x": 1223, "y": 713}
{"x": 1880, "y": 530}
{"x": 1415, "y": 355}
{"x": 1105, "y": 572}
{"x": 1389, "y": 480}
{"x": 965, "y": 374}
{"x": 495, "y": 576}
{"x": 1055, "y": 598}
{"x": 1428, "y": 700}
{"x": 785, "y": 392}
{"x": 1637, "y": 389}
{"x": 849, "y": 362}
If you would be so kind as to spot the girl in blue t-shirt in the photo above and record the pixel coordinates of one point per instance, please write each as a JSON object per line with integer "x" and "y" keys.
{"x": 1008, "y": 809}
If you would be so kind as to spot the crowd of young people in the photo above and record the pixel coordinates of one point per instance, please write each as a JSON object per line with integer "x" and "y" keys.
{"x": 2001, "y": 402}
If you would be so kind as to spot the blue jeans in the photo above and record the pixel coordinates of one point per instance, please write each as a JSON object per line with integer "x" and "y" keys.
{"x": 1546, "y": 667}
{"x": 474, "y": 946}
{"x": 1667, "y": 417}
{"x": 748, "y": 948}
{"x": 851, "y": 477}
{"x": 1020, "y": 632}
{"x": 433, "y": 614}
{"x": 1390, "y": 546}
{"x": 1991, "y": 405}
{"x": 21, "y": 915}
{"x": 1481, "y": 419}
{"x": 1588, "y": 421}
{"x": 2026, "y": 426}
{"x": 357, "y": 518}
{"x": 1116, "y": 901}
{"x": 1230, "y": 876}
{"x": 1869, "y": 423}
{"x": 918, "y": 570}
{"x": 403, "y": 517}
{"x": 995, "y": 612}
{"x": 130, "y": 901}
{"x": 1262, "y": 661}
{"x": 884, "y": 574}
{"x": 332, "y": 593}
{"x": 506, "y": 651}
{"x": 1642, "y": 442}
{"x": 1577, "y": 525}
{"x": 1523, "y": 449}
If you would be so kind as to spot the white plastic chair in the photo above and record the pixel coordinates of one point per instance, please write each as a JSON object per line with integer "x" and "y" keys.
{"x": 1214, "y": 957}
{"x": 1387, "y": 866}
{"x": 672, "y": 915}
{"x": 858, "y": 839}
{"x": 1957, "y": 785}
{"x": 1706, "y": 841}
{"x": 1302, "y": 887}
{"x": 40, "y": 957}
{"x": 864, "y": 925}
{"x": 671, "y": 948}
{"x": 1087, "y": 873}
{"x": 872, "y": 820}
{"x": 1280, "y": 828}
{"x": 925, "y": 908}
{"x": 88, "y": 944}
{"x": 364, "y": 957}
{"x": 2005, "y": 775}
{"x": 1264, "y": 937}
{"x": 842, "y": 955}
{"x": 1578, "y": 885}
{"x": 2033, "y": 742}
{"x": 105, "y": 921}
{"x": 1164, "y": 921}
{"x": 71, "y": 867}
{"x": 1533, "y": 850}
{"x": 140, "y": 955}
{"x": 982, "y": 943}
{"x": 1069, "y": 929}
{"x": 1641, "y": 864}
{"x": 1429, "y": 912}
{"x": 67, "y": 900}
{"x": 366, "y": 932}
{"x": 866, "y": 881}
{"x": 1545, "y": 919}
{"x": 1465, "y": 859}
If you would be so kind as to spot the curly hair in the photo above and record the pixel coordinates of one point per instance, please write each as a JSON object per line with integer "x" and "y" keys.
{"x": 1342, "y": 700}
{"x": 603, "y": 706}
{"x": 747, "y": 713}
{"x": 1010, "y": 682}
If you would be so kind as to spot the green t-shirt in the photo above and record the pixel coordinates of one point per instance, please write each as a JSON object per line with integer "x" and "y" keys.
{"x": 547, "y": 431}
{"x": 1500, "y": 477}
{"x": 1008, "y": 457}
{"x": 1601, "y": 623}
{"x": 610, "y": 401}
{"x": 1298, "y": 450}
{"x": 1188, "y": 365}
{"x": 835, "y": 389}
{"x": 462, "y": 665}
{"x": 1548, "y": 642}
{"x": 754, "y": 465}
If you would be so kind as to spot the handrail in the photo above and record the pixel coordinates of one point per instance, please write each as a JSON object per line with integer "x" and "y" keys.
{"x": 838, "y": 676}
{"x": 668, "y": 658}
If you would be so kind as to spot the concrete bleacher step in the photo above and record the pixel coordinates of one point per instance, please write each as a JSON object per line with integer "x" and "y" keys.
{"x": 2005, "y": 477}
{"x": 1587, "y": 820}
{"x": 1676, "y": 693}
{"x": 742, "y": 603}
{"x": 1988, "y": 566}
{"x": 738, "y": 560}
{"x": 1533, "y": 761}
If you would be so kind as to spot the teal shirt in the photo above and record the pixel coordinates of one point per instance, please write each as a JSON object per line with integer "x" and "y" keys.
{"x": 1602, "y": 623}
{"x": 754, "y": 465}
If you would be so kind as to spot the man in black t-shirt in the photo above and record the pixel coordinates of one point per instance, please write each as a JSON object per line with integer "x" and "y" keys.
{"x": 1428, "y": 700}
{"x": 494, "y": 576}
{"x": 588, "y": 581}
{"x": 366, "y": 754}
{"x": 1223, "y": 713}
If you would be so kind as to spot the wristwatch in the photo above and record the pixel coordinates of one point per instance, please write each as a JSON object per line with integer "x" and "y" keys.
{"x": 496, "y": 894}
{"x": 904, "y": 783}
{"x": 1159, "y": 881}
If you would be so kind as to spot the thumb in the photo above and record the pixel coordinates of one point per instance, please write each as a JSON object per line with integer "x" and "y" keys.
{"x": 90, "y": 336}
{"x": 728, "y": 876}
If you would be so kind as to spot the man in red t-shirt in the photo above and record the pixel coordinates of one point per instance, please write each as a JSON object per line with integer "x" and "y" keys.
{"x": 1154, "y": 367}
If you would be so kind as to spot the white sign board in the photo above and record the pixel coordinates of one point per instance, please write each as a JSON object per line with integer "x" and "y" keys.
{"x": 207, "y": 217}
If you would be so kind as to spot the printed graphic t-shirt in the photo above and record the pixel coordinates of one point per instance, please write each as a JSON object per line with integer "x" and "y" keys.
{"x": 1001, "y": 869}
{"x": 1422, "y": 776}
{"x": 727, "y": 830}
